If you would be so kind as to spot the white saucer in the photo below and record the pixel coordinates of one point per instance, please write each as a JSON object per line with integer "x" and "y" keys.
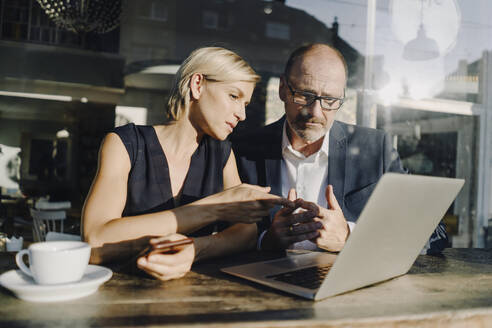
{"x": 26, "y": 289}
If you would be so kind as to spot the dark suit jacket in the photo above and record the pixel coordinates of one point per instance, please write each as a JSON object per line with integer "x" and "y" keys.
{"x": 358, "y": 157}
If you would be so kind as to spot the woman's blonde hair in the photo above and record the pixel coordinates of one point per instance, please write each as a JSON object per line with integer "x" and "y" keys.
{"x": 216, "y": 64}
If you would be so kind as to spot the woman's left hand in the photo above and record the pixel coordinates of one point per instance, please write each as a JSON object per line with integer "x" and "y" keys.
{"x": 168, "y": 266}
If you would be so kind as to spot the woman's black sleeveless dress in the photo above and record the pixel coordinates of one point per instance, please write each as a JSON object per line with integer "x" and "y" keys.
{"x": 149, "y": 184}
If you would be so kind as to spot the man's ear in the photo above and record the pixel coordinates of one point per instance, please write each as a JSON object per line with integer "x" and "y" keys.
{"x": 283, "y": 89}
{"x": 196, "y": 85}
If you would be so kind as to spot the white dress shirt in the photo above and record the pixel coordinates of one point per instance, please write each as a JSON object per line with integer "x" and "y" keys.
{"x": 307, "y": 175}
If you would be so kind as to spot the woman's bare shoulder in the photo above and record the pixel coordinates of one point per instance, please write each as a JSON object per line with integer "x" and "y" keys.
{"x": 113, "y": 152}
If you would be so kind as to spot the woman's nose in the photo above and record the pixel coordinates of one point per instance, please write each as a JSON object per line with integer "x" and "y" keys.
{"x": 241, "y": 113}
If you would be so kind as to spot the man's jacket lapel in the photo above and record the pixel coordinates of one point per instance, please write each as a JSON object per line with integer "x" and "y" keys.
{"x": 273, "y": 158}
{"x": 336, "y": 161}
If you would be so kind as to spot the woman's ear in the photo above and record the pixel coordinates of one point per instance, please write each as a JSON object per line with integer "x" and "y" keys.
{"x": 196, "y": 85}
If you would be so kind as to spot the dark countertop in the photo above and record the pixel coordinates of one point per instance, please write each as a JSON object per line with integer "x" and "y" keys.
{"x": 455, "y": 288}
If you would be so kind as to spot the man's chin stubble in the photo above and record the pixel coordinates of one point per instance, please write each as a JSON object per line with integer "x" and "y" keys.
{"x": 309, "y": 137}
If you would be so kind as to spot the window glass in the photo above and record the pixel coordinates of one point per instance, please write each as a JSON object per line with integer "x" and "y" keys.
{"x": 210, "y": 19}
{"x": 417, "y": 69}
{"x": 277, "y": 31}
{"x": 159, "y": 10}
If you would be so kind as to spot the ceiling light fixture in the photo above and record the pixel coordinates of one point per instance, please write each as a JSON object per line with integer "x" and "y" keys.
{"x": 422, "y": 47}
{"x": 100, "y": 16}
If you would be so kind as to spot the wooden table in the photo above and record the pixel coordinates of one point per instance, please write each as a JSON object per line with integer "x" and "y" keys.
{"x": 454, "y": 290}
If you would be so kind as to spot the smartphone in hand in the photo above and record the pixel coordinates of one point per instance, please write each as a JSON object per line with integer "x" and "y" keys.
{"x": 165, "y": 247}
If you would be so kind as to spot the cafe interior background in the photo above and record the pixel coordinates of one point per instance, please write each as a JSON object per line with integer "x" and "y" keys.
{"x": 418, "y": 69}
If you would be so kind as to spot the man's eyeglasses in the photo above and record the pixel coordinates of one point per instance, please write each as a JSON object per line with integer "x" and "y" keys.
{"x": 307, "y": 98}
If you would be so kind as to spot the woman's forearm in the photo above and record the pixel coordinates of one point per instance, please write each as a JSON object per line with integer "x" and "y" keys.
{"x": 236, "y": 238}
{"x": 123, "y": 251}
{"x": 239, "y": 237}
{"x": 124, "y": 237}
{"x": 184, "y": 219}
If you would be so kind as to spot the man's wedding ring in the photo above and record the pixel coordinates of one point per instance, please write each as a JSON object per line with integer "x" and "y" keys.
{"x": 291, "y": 230}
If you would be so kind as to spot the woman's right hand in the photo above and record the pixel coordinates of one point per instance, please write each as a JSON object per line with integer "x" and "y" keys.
{"x": 245, "y": 203}
{"x": 168, "y": 266}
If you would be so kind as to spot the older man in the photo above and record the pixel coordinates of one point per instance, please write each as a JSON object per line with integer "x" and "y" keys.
{"x": 332, "y": 166}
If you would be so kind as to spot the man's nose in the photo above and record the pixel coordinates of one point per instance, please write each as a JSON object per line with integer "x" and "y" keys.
{"x": 315, "y": 108}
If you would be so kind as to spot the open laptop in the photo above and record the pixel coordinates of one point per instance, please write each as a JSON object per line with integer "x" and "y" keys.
{"x": 394, "y": 226}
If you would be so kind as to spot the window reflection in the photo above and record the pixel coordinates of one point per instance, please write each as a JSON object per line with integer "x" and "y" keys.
{"x": 427, "y": 82}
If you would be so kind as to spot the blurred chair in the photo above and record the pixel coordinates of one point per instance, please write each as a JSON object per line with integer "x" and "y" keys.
{"x": 45, "y": 204}
{"x": 52, "y": 236}
{"x": 46, "y": 221}
{"x": 48, "y": 218}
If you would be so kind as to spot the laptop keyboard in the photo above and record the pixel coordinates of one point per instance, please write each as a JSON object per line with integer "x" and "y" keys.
{"x": 311, "y": 277}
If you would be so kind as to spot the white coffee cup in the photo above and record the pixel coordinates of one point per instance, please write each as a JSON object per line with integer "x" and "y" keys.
{"x": 55, "y": 262}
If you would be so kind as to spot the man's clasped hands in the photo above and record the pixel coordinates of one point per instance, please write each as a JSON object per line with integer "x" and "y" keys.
{"x": 301, "y": 220}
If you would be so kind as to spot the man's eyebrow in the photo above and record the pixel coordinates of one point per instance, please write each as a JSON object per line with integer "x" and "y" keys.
{"x": 315, "y": 94}
{"x": 307, "y": 91}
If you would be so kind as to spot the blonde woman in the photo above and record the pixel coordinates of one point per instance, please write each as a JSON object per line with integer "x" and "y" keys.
{"x": 181, "y": 177}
